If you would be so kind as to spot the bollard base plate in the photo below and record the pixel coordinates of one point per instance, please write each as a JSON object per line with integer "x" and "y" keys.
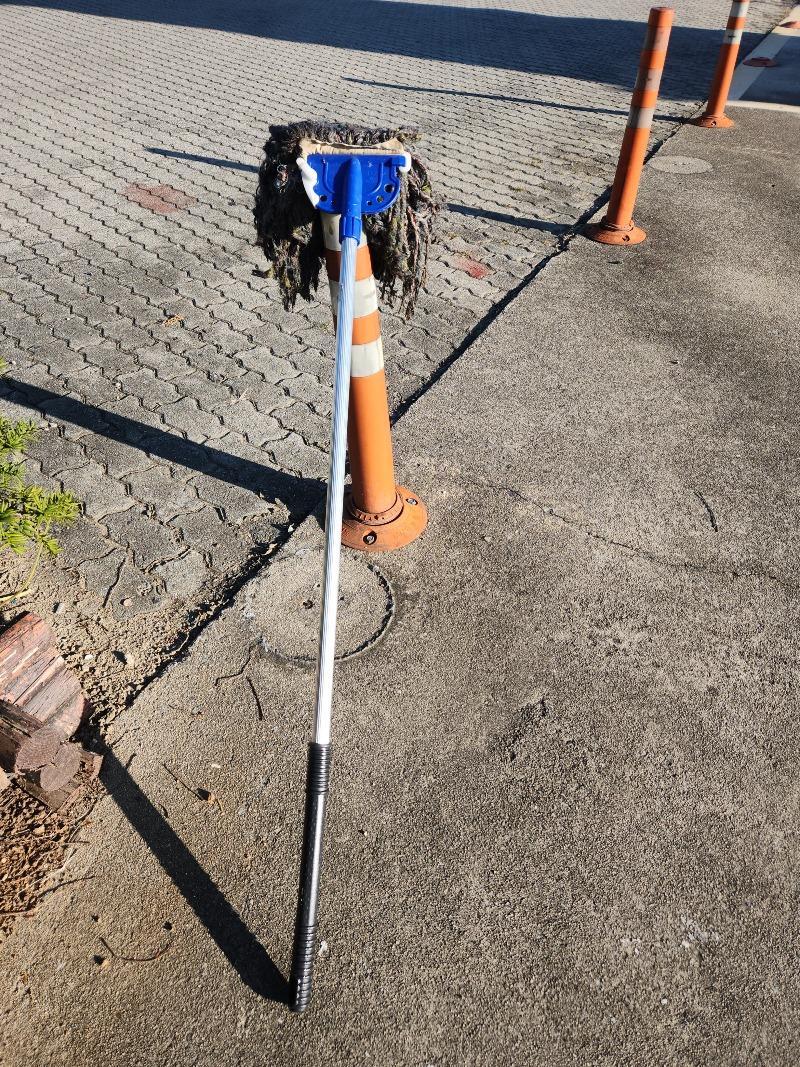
{"x": 711, "y": 122}
{"x": 607, "y": 234}
{"x": 399, "y": 526}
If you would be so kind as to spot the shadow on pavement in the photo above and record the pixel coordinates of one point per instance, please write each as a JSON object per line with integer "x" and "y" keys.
{"x": 510, "y": 220}
{"x": 240, "y": 946}
{"x": 504, "y": 99}
{"x": 587, "y": 49}
{"x": 297, "y": 493}
{"x": 212, "y": 161}
{"x": 499, "y": 97}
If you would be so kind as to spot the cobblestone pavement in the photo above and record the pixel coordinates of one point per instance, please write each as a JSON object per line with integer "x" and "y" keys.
{"x": 180, "y": 402}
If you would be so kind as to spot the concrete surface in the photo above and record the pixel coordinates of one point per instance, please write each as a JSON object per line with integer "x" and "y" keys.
{"x": 565, "y": 802}
{"x": 183, "y": 406}
{"x": 777, "y": 86}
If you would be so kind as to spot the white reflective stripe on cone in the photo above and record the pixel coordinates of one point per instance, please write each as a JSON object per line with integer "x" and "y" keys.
{"x": 366, "y": 359}
{"x": 366, "y": 297}
{"x": 330, "y": 230}
{"x": 739, "y": 10}
{"x": 732, "y": 37}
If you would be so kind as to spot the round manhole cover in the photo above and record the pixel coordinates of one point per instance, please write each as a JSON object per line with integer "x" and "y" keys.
{"x": 284, "y": 606}
{"x": 679, "y": 164}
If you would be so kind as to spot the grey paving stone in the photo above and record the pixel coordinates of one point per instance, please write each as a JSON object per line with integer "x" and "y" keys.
{"x": 132, "y": 593}
{"x": 313, "y": 428}
{"x": 61, "y": 454}
{"x": 92, "y": 386}
{"x": 153, "y": 392}
{"x": 100, "y": 575}
{"x": 138, "y": 417}
{"x": 234, "y": 502}
{"x": 212, "y": 395}
{"x": 264, "y": 359}
{"x": 265, "y": 395}
{"x": 100, "y": 495}
{"x": 117, "y": 458}
{"x": 148, "y": 540}
{"x": 187, "y": 416}
{"x": 223, "y": 545}
{"x": 70, "y": 415}
{"x": 61, "y": 359}
{"x": 294, "y": 454}
{"x": 84, "y": 541}
{"x": 308, "y": 388}
{"x": 182, "y": 576}
{"x": 252, "y": 424}
{"x": 164, "y": 493}
{"x": 112, "y": 360}
{"x": 38, "y": 375}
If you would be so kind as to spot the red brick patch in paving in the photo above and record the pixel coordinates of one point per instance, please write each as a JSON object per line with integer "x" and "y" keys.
{"x": 472, "y": 267}
{"x": 162, "y": 199}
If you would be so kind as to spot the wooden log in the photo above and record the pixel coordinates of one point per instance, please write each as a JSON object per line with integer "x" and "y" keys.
{"x": 60, "y": 704}
{"x": 59, "y": 797}
{"x": 20, "y": 643}
{"x": 65, "y": 765}
{"x": 34, "y": 677}
{"x": 91, "y": 762}
{"x": 56, "y": 798}
{"x": 26, "y": 745}
{"x": 41, "y": 706}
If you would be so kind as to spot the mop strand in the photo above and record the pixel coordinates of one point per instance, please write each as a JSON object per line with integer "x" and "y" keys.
{"x": 290, "y": 231}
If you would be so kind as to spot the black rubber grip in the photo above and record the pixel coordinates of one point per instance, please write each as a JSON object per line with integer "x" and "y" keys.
{"x": 305, "y": 927}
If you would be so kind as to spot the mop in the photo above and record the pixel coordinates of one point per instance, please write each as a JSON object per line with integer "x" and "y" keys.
{"x": 370, "y": 180}
{"x": 289, "y": 227}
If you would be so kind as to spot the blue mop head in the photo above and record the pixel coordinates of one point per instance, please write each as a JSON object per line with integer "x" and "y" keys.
{"x": 289, "y": 228}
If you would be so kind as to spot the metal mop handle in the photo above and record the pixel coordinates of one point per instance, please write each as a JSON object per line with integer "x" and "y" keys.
{"x": 319, "y": 750}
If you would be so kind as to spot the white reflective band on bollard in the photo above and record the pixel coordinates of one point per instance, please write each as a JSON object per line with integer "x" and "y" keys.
{"x": 641, "y": 117}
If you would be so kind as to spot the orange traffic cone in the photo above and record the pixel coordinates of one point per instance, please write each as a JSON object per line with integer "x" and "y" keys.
{"x": 379, "y": 515}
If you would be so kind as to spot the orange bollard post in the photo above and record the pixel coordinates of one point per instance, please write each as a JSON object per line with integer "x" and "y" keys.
{"x": 617, "y": 228}
{"x": 714, "y": 115}
{"x": 379, "y": 515}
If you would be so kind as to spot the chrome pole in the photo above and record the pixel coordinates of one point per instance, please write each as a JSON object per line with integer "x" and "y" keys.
{"x": 319, "y": 749}
{"x": 335, "y": 501}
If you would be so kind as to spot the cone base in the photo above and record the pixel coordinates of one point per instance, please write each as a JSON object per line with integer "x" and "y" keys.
{"x": 395, "y": 528}
{"x": 711, "y": 122}
{"x": 606, "y": 234}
